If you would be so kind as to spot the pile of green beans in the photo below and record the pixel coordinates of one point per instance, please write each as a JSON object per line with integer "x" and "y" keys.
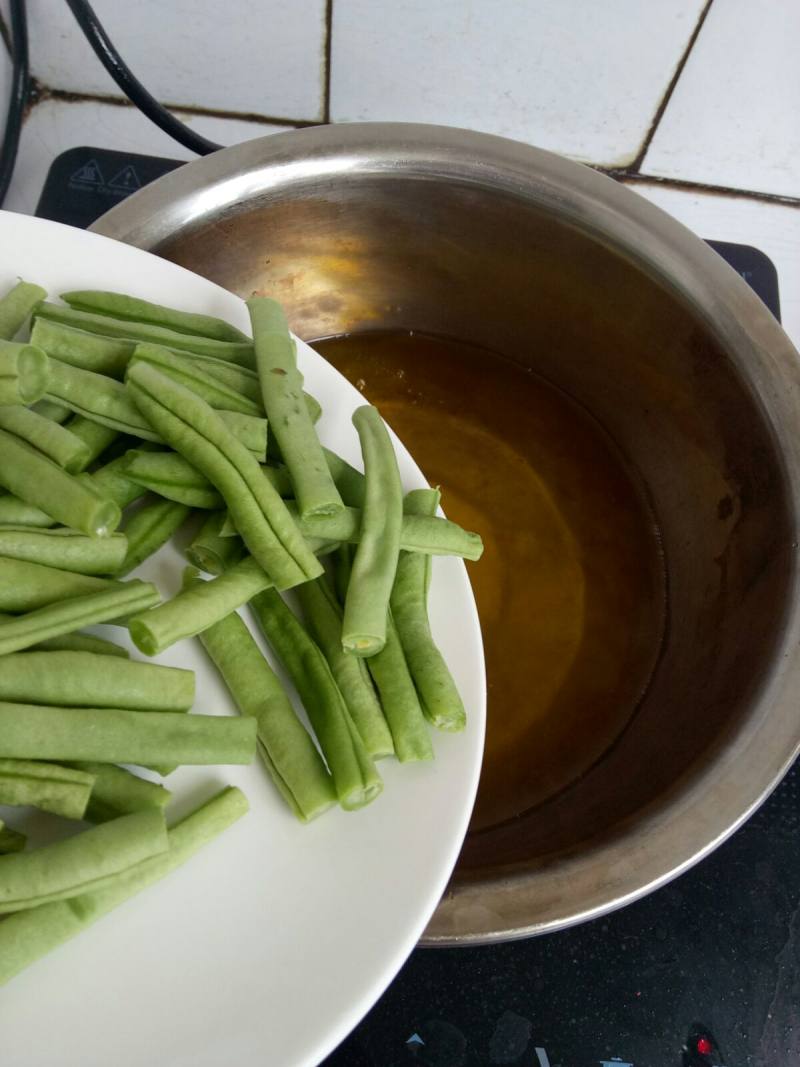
{"x": 80, "y": 508}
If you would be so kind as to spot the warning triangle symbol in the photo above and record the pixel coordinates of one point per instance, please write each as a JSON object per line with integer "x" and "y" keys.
{"x": 127, "y": 179}
{"x": 89, "y": 173}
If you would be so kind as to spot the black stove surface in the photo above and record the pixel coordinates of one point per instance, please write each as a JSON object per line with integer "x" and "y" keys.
{"x": 703, "y": 972}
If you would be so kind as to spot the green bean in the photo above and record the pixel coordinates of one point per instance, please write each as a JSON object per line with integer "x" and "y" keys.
{"x": 355, "y": 776}
{"x": 418, "y": 533}
{"x": 67, "y": 498}
{"x": 51, "y": 439}
{"x": 197, "y": 607}
{"x": 10, "y": 840}
{"x": 250, "y": 430}
{"x": 50, "y": 409}
{"x": 15, "y": 512}
{"x": 104, "y": 355}
{"x": 130, "y": 307}
{"x": 64, "y": 548}
{"x": 96, "y": 436}
{"x": 98, "y": 398}
{"x": 195, "y": 430}
{"x": 120, "y": 600}
{"x": 172, "y": 477}
{"x": 399, "y": 698}
{"x": 342, "y": 566}
{"x": 111, "y": 481}
{"x": 285, "y": 747}
{"x": 87, "y": 861}
{"x": 292, "y": 427}
{"x": 83, "y": 679}
{"x": 24, "y": 373}
{"x": 191, "y": 372}
{"x": 116, "y": 791}
{"x": 240, "y": 352}
{"x": 28, "y": 935}
{"x": 26, "y": 586}
{"x": 366, "y": 605}
{"x": 46, "y": 786}
{"x": 211, "y": 552}
{"x": 16, "y": 306}
{"x": 114, "y": 735}
{"x": 437, "y": 691}
{"x": 81, "y": 643}
{"x": 150, "y": 527}
{"x": 349, "y": 481}
{"x": 324, "y": 619}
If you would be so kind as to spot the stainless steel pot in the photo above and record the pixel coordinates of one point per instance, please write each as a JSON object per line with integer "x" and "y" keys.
{"x": 482, "y": 239}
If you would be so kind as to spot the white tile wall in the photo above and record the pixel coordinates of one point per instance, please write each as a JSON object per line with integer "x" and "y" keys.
{"x": 773, "y": 228}
{"x": 263, "y": 58}
{"x": 734, "y": 118}
{"x": 55, "y": 125}
{"x": 578, "y": 77}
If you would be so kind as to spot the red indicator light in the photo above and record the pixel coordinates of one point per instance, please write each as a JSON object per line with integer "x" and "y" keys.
{"x": 704, "y": 1046}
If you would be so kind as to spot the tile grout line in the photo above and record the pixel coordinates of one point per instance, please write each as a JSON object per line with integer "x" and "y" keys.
{"x": 326, "y": 85}
{"x": 632, "y": 177}
{"x": 636, "y": 165}
{"x": 44, "y": 92}
{"x": 5, "y": 35}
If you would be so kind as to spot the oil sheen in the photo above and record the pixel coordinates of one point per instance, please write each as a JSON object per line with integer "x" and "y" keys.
{"x": 570, "y": 589}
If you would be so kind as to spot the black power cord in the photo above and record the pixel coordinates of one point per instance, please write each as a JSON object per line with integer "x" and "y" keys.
{"x": 19, "y": 95}
{"x": 131, "y": 86}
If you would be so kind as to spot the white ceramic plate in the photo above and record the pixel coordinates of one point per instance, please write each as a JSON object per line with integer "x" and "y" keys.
{"x": 274, "y": 941}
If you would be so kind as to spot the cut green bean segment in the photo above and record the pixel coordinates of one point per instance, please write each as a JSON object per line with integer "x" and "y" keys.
{"x": 111, "y": 481}
{"x": 132, "y": 308}
{"x": 64, "y": 548}
{"x": 191, "y": 372}
{"x": 28, "y": 935}
{"x": 418, "y": 533}
{"x": 211, "y": 552}
{"x": 148, "y": 529}
{"x": 116, "y": 791}
{"x": 399, "y": 699}
{"x": 16, "y": 306}
{"x": 10, "y": 840}
{"x": 47, "y": 786}
{"x": 172, "y": 477}
{"x": 285, "y": 747}
{"x": 114, "y": 735}
{"x": 120, "y": 600}
{"x": 324, "y": 618}
{"x": 249, "y": 430}
{"x": 79, "y": 864}
{"x": 437, "y": 691}
{"x": 50, "y": 438}
{"x": 290, "y": 422}
{"x": 240, "y": 352}
{"x": 355, "y": 776}
{"x": 85, "y": 679}
{"x": 104, "y": 355}
{"x": 69, "y": 499}
{"x": 15, "y": 512}
{"x": 24, "y": 373}
{"x": 97, "y": 397}
{"x": 81, "y": 643}
{"x": 342, "y": 565}
{"x": 366, "y": 605}
{"x": 96, "y": 436}
{"x": 27, "y": 586}
{"x": 197, "y": 607}
{"x": 349, "y": 481}
{"x": 195, "y": 430}
{"x": 51, "y": 409}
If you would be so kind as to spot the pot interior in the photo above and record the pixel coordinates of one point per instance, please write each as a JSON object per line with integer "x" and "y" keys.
{"x": 582, "y": 416}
